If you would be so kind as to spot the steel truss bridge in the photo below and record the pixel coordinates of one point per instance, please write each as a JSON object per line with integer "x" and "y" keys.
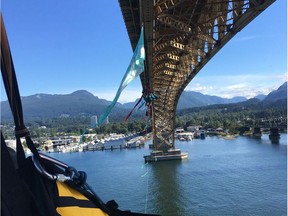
{"x": 180, "y": 37}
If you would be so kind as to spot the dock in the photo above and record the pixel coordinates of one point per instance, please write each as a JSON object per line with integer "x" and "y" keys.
{"x": 172, "y": 154}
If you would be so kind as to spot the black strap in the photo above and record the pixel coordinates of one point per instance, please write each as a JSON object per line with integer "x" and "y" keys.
{"x": 16, "y": 198}
{"x": 13, "y": 95}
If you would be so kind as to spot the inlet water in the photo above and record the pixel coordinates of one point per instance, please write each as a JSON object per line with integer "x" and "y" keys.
{"x": 243, "y": 176}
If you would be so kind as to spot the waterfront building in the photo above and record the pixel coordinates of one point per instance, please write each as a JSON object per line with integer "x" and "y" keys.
{"x": 106, "y": 120}
{"x": 194, "y": 128}
{"x": 94, "y": 120}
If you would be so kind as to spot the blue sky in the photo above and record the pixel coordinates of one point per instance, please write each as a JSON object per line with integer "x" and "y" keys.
{"x": 62, "y": 46}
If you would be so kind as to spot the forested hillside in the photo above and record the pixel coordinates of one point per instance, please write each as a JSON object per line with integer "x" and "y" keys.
{"x": 271, "y": 110}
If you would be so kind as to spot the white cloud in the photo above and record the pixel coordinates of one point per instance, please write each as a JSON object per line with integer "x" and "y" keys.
{"x": 247, "y": 85}
{"x": 243, "y": 89}
{"x": 199, "y": 88}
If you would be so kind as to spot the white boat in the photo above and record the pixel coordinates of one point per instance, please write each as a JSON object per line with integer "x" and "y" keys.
{"x": 135, "y": 142}
{"x": 187, "y": 136}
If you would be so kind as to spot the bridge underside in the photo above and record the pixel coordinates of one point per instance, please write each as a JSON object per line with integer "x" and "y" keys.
{"x": 181, "y": 36}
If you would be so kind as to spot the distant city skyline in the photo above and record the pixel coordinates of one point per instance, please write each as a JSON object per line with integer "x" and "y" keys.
{"x": 59, "y": 47}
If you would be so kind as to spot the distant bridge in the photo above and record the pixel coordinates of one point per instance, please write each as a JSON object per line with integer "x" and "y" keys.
{"x": 181, "y": 36}
{"x": 280, "y": 123}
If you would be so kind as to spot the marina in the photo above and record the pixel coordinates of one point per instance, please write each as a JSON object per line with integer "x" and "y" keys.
{"x": 112, "y": 142}
{"x": 241, "y": 176}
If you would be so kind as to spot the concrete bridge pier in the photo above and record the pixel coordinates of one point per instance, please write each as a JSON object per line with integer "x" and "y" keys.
{"x": 257, "y": 132}
{"x": 274, "y": 135}
{"x": 274, "y": 132}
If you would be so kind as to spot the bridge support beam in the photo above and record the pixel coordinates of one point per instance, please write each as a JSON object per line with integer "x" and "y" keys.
{"x": 180, "y": 38}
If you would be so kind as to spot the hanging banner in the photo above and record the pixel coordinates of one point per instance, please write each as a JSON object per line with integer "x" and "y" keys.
{"x": 135, "y": 68}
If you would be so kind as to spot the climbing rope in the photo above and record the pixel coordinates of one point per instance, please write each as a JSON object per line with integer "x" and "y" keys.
{"x": 147, "y": 185}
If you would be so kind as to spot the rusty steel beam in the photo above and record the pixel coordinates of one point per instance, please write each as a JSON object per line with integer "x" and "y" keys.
{"x": 181, "y": 36}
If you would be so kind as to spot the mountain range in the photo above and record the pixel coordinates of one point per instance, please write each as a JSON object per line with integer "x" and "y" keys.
{"x": 190, "y": 99}
{"x": 83, "y": 103}
{"x": 78, "y": 103}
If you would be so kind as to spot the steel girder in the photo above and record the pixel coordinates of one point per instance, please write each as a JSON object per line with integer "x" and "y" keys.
{"x": 181, "y": 36}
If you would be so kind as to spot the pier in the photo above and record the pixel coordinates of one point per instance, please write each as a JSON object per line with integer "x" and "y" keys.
{"x": 95, "y": 145}
{"x": 172, "y": 154}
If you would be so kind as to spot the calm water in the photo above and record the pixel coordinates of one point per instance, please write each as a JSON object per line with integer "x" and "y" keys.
{"x": 244, "y": 176}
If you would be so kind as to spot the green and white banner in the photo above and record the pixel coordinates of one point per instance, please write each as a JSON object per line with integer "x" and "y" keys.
{"x": 135, "y": 68}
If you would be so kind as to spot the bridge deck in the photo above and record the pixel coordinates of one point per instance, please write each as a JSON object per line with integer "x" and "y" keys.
{"x": 181, "y": 36}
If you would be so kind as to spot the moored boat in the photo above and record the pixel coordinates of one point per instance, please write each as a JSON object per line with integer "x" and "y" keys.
{"x": 135, "y": 142}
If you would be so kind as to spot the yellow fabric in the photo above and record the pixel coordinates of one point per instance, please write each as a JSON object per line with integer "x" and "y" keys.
{"x": 77, "y": 211}
{"x": 66, "y": 191}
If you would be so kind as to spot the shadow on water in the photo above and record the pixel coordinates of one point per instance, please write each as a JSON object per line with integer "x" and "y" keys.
{"x": 275, "y": 140}
{"x": 165, "y": 189}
